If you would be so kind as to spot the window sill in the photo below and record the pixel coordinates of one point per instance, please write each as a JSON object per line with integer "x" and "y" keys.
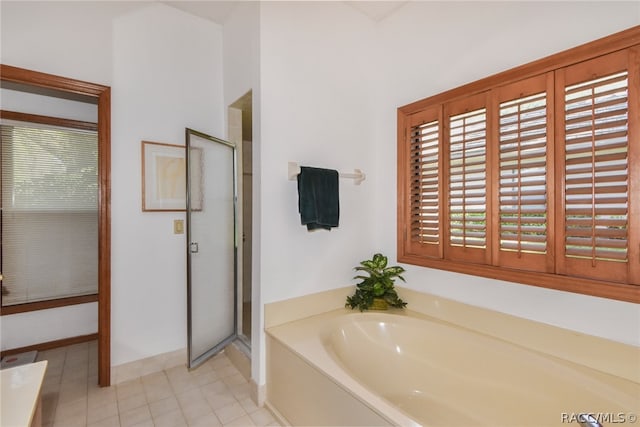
{"x": 598, "y": 288}
{"x": 44, "y": 305}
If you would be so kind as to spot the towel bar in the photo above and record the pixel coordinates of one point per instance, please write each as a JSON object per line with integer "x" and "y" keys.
{"x": 358, "y": 176}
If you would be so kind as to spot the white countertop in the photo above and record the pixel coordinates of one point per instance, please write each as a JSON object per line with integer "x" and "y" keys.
{"x": 20, "y": 393}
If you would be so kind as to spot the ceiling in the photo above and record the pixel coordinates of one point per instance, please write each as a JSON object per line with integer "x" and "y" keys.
{"x": 216, "y": 11}
{"x": 219, "y": 11}
{"x": 376, "y": 10}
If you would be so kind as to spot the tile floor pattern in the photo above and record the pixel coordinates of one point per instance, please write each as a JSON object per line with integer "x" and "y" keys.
{"x": 214, "y": 394}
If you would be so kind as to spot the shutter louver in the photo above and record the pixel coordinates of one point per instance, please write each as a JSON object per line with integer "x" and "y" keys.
{"x": 523, "y": 166}
{"x": 468, "y": 179}
{"x": 596, "y": 169}
{"x": 425, "y": 202}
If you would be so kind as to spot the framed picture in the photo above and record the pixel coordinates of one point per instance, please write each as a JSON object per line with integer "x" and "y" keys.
{"x": 164, "y": 177}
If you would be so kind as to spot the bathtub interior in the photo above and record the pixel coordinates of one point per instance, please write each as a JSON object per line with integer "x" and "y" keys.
{"x": 441, "y": 374}
{"x": 474, "y": 374}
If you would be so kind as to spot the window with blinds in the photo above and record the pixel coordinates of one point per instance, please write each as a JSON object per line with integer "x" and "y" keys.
{"x": 596, "y": 168}
{"x": 467, "y": 213}
{"x": 49, "y": 212}
{"x": 423, "y": 217}
{"x": 523, "y": 174}
{"x": 540, "y": 179}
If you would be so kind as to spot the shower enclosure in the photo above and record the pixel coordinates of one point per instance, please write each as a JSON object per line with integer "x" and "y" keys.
{"x": 211, "y": 245}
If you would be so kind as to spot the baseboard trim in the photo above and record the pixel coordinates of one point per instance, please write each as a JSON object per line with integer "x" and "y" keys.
{"x": 277, "y": 415}
{"x": 149, "y": 365}
{"x": 50, "y": 344}
{"x": 257, "y": 393}
{"x": 239, "y": 359}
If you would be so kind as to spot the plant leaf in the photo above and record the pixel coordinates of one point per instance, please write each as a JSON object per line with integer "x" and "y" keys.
{"x": 380, "y": 260}
{"x": 395, "y": 270}
{"x": 378, "y": 289}
{"x": 369, "y": 264}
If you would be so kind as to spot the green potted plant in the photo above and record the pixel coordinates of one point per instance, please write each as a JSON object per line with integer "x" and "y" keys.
{"x": 376, "y": 289}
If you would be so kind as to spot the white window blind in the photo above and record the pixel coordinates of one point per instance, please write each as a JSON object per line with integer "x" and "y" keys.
{"x": 49, "y": 212}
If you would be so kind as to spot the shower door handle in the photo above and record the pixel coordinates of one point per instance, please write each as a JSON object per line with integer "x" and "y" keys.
{"x": 193, "y": 247}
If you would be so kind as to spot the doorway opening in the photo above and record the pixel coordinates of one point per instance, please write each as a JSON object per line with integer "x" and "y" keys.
{"x": 27, "y": 84}
{"x": 240, "y": 125}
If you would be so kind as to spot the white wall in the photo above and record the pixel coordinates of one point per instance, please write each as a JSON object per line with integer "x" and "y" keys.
{"x": 241, "y": 62}
{"x": 25, "y": 329}
{"x": 241, "y": 51}
{"x": 70, "y": 39}
{"x": 24, "y": 102}
{"x": 428, "y": 47}
{"x": 316, "y": 109}
{"x": 167, "y": 75}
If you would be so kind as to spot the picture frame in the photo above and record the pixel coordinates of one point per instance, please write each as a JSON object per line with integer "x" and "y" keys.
{"x": 163, "y": 177}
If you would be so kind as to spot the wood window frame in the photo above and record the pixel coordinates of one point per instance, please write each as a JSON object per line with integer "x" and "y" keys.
{"x": 518, "y": 260}
{"x": 406, "y": 115}
{"x": 63, "y": 87}
{"x": 463, "y": 252}
{"x": 53, "y": 302}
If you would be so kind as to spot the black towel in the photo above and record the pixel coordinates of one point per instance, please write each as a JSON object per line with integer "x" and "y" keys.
{"x": 318, "y": 201}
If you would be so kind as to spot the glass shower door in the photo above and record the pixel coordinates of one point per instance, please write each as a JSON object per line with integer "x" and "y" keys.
{"x": 211, "y": 245}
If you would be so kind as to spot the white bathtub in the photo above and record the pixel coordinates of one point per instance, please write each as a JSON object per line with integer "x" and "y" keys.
{"x": 407, "y": 369}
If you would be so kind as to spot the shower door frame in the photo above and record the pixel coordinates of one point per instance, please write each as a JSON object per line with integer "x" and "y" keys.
{"x": 194, "y": 362}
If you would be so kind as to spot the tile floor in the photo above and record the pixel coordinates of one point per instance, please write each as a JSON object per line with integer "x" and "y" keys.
{"x": 214, "y": 394}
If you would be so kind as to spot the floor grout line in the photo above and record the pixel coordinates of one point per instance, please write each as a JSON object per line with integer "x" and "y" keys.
{"x": 71, "y": 397}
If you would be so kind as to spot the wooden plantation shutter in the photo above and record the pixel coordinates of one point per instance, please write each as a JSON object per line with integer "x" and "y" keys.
{"x": 467, "y": 225}
{"x": 531, "y": 175}
{"x": 424, "y": 235}
{"x": 593, "y": 128}
{"x": 523, "y": 173}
